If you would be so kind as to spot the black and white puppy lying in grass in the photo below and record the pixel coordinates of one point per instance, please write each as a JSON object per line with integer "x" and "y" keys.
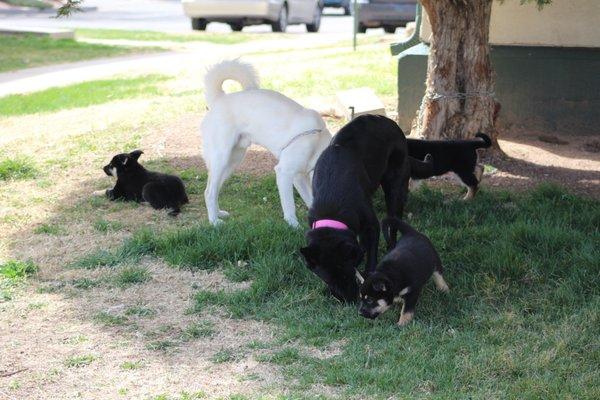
{"x": 402, "y": 273}
{"x": 458, "y": 156}
{"x": 368, "y": 152}
{"x": 136, "y": 183}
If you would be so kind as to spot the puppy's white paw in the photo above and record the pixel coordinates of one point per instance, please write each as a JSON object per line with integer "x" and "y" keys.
{"x": 405, "y": 318}
{"x": 223, "y": 214}
{"x": 216, "y": 222}
{"x": 470, "y": 194}
{"x": 293, "y": 222}
{"x": 479, "y": 169}
{"x": 440, "y": 283}
{"x": 98, "y": 193}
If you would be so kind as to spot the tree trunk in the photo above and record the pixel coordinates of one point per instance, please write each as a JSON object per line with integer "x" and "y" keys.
{"x": 459, "y": 100}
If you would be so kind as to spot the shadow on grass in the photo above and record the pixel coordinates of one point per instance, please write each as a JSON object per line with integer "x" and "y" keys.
{"x": 519, "y": 322}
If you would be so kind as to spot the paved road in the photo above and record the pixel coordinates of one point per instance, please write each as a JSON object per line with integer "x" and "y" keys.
{"x": 158, "y": 15}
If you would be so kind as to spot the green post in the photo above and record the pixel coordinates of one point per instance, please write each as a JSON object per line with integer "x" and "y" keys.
{"x": 414, "y": 39}
{"x": 355, "y": 6}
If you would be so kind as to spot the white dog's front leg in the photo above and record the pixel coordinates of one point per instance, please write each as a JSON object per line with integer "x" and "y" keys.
{"x": 285, "y": 185}
{"x": 303, "y": 186}
{"x": 414, "y": 184}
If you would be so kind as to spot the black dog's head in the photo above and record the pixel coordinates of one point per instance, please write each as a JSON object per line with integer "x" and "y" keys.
{"x": 122, "y": 163}
{"x": 333, "y": 255}
{"x": 376, "y": 296}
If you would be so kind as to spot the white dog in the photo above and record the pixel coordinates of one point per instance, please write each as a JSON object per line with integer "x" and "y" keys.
{"x": 295, "y": 135}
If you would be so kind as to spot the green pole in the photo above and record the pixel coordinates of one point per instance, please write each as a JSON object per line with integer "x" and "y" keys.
{"x": 355, "y": 6}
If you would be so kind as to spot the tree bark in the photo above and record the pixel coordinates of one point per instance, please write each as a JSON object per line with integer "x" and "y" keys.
{"x": 459, "y": 100}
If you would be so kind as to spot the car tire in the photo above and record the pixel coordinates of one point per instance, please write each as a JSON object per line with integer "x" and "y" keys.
{"x": 236, "y": 26}
{"x": 316, "y": 24}
{"x": 389, "y": 29}
{"x": 281, "y": 24}
{"x": 199, "y": 24}
{"x": 362, "y": 28}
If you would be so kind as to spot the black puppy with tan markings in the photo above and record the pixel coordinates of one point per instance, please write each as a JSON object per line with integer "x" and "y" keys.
{"x": 368, "y": 152}
{"x": 136, "y": 183}
{"x": 401, "y": 274}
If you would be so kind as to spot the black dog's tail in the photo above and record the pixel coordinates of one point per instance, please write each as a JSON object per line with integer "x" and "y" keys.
{"x": 421, "y": 169}
{"x": 390, "y": 226}
{"x": 487, "y": 142}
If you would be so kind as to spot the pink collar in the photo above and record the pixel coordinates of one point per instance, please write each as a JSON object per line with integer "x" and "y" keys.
{"x": 329, "y": 223}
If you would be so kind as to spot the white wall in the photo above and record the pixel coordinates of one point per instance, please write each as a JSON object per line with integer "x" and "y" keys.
{"x": 563, "y": 23}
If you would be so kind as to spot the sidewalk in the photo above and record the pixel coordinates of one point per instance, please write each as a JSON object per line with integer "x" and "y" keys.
{"x": 171, "y": 62}
{"x": 40, "y": 78}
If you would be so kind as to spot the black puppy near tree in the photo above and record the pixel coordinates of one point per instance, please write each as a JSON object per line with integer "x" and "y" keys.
{"x": 367, "y": 152}
{"x": 136, "y": 183}
{"x": 458, "y": 156}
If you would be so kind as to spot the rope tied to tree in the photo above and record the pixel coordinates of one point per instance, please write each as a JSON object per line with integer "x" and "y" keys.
{"x": 431, "y": 95}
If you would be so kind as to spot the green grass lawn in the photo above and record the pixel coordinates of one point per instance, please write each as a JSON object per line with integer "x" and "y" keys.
{"x": 522, "y": 319}
{"x": 22, "y": 51}
{"x": 29, "y": 3}
{"x": 378, "y": 71}
{"x": 122, "y": 34}
{"x": 81, "y": 95}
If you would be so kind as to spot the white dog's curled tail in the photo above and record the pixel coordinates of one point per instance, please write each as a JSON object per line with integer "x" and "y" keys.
{"x": 236, "y": 70}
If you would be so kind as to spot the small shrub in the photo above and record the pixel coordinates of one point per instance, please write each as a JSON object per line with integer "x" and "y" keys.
{"x": 85, "y": 283}
{"x": 17, "y": 169}
{"x": 140, "y": 311}
{"x": 108, "y": 319}
{"x": 131, "y": 365}
{"x": 102, "y": 225}
{"x": 131, "y": 276}
{"x": 17, "y": 269}
{"x": 160, "y": 345}
{"x": 48, "y": 229}
{"x": 79, "y": 361}
{"x": 198, "y": 330}
{"x": 223, "y": 356}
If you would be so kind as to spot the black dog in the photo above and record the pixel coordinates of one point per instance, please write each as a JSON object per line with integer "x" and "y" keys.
{"x": 458, "y": 156}
{"x": 401, "y": 274}
{"x": 136, "y": 183}
{"x": 367, "y": 152}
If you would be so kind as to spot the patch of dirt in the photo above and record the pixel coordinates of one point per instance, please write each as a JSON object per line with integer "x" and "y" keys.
{"x": 180, "y": 141}
{"x": 529, "y": 161}
{"x": 47, "y": 330}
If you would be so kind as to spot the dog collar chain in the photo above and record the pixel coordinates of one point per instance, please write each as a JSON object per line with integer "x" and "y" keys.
{"x": 292, "y": 140}
{"x": 329, "y": 223}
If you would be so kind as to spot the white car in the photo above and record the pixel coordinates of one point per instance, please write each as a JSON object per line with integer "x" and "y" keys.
{"x": 239, "y": 13}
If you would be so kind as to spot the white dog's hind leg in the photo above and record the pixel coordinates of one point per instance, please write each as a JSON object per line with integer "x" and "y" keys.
{"x": 235, "y": 158}
{"x": 211, "y": 194}
{"x": 285, "y": 185}
{"x": 303, "y": 186}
